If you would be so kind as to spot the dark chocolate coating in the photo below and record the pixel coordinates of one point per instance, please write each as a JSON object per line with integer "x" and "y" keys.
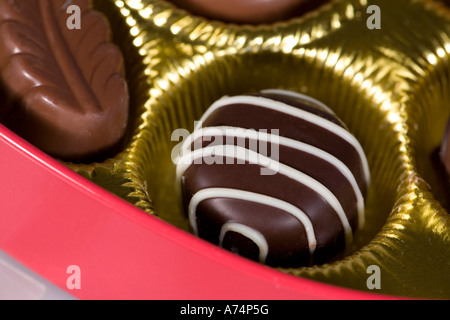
{"x": 66, "y": 89}
{"x": 270, "y": 223}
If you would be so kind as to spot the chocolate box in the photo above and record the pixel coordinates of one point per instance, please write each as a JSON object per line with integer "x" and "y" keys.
{"x": 121, "y": 222}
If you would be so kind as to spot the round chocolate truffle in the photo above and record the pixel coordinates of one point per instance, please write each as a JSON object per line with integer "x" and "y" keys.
{"x": 246, "y": 11}
{"x": 274, "y": 176}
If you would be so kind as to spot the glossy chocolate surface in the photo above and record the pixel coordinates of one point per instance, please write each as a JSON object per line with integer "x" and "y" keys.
{"x": 248, "y": 11}
{"x": 306, "y": 211}
{"x": 65, "y": 87}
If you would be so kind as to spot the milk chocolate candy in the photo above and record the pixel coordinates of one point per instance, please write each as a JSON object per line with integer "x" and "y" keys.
{"x": 275, "y": 177}
{"x": 63, "y": 78}
{"x": 247, "y": 11}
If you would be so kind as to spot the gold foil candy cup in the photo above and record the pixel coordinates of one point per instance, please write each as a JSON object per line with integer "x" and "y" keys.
{"x": 389, "y": 85}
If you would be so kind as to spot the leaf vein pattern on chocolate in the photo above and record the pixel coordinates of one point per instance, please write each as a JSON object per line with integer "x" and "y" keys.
{"x": 66, "y": 61}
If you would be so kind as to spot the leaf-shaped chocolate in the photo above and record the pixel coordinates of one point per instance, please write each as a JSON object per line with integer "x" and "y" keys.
{"x": 68, "y": 87}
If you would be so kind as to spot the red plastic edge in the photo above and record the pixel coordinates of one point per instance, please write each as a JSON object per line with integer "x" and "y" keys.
{"x": 52, "y": 218}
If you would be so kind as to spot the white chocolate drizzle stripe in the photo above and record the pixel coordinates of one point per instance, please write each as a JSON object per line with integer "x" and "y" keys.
{"x": 255, "y": 158}
{"x": 299, "y": 96}
{"x": 278, "y": 106}
{"x": 254, "y": 235}
{"x": 213, "y": 193}
{"x": 283, "y": 141}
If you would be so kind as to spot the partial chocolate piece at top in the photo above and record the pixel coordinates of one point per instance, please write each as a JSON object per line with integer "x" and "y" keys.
{"x": 274, "y": 176}
{"x": 65, "y": 87}
{"x": 445, "y": 149}
{"x": 249, "y": 11}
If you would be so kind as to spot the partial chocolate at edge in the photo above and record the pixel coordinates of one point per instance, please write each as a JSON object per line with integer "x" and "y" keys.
{"x": 445, "y": 149}
{"x": 249, "y": 11}
{"x": 66, "y": 88}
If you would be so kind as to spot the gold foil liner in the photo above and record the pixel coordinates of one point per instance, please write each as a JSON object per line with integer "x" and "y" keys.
{"x": 389, "y": 85}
